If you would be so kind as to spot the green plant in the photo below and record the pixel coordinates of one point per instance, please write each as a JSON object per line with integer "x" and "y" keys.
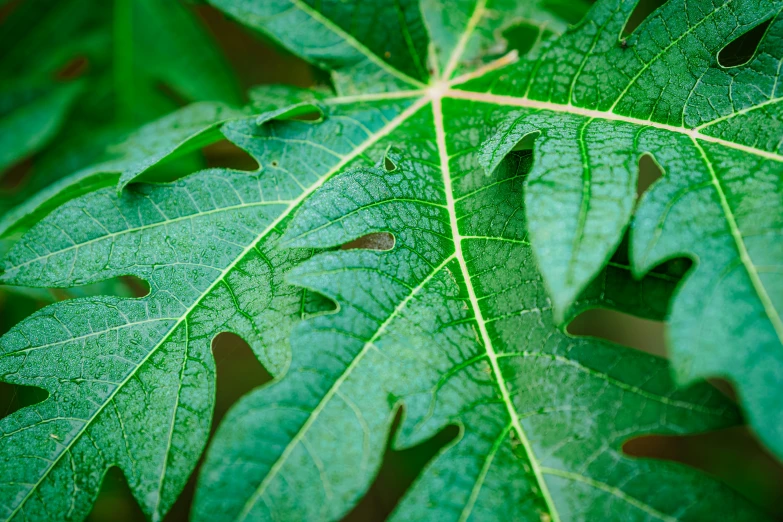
{"x": 78, "y": 75}
{"x": 495, "y": 184}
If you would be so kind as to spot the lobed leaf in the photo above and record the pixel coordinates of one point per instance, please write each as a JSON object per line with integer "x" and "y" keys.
{"x": 207, "y": 247}
{"x": 594, "y": 106}
{"x": 455, "y": 324}
{"x": 459, "y": 321}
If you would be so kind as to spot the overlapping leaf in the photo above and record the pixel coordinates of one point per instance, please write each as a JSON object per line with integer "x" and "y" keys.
{"x": 155, "y": 145}
{"x": 164, "y": 139}
{"x": 598, "y": 106}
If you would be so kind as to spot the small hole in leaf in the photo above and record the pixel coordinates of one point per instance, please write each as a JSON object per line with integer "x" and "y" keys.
{"x": 314, "y": 304}
{"x": 392, "y": 159}
{"x": 137, "y": 286}
{"x": 649, "y": 173}
{"x": 642, "y": 334}
{"x": 733, "y": 455}
{"x": 122, "y": 286}
{"x": 399, "y": 469}
{"x": 224, "y": 154}
{"x": 643, "y": 9}
{"x": 521, "y": 38}
{"x": 274, "y": 163}
{"x": 172, "y": 168}
{"x": 14, "y": 397}
{"x": 388, "y": 164}
{"x": 741, "y": 50}
{"x": 115, "y": 501}
{"x": 306, "y": 112}
{"x": 382, "y": 241}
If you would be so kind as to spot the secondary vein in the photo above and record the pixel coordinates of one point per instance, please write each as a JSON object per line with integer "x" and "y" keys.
{"x": 512, "y": 101}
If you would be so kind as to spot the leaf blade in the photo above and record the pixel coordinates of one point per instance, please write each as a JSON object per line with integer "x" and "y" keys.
{"x": 404, "y": 327}
{"x": 192, "y": 288}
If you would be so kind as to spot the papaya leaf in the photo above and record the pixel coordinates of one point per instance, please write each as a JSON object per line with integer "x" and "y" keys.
{"x": 455, "y": 322}
{"x": 207, "y": 247}
{"x": 593, "y": 105}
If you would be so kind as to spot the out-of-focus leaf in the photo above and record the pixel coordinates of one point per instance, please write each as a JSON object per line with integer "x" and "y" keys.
{"x": 26, "y": 125}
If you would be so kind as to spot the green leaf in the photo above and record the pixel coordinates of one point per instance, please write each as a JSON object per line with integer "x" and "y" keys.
{"x": 182, "y": 131}
{"x": 156, "y": 143}
{"x": 26, "y": 125}
{"x": 466, "y": 33}
{"x": 122, "y": 52}
{"x": 135, "y": 377}
{"x": 344, "y": 38}
{"x": 40, "y": 37}
{"x": 172, "y": 46}
{"x": 178, "y": 133}
{"x": 594, "y": 107}
{"x": 455, "y": 322}
{"x": 616, "y": 289}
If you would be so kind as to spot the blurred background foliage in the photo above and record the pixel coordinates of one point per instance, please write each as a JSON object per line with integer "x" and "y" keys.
{"x": 77, "y": 76}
